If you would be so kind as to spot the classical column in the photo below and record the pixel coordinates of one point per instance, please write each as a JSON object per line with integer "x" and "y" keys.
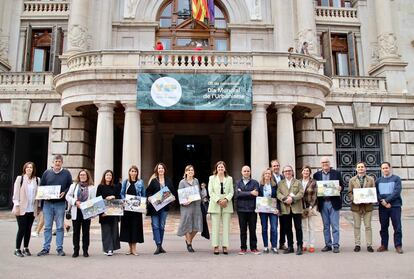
{"x": 104, "y": 147}
{"x": 103, "y": 14}
{"x": 131, "y": 147}
{"x": 259, "y": 141}
{"x": 216, "y": 148}
{"x": 78, "y": 26}
{"x": 306, "y": 25}
{"x": 148, "y": 151}
{"x": 285, "y": 136}
{"x": 387, "y": 41}
{"x": 237, "y": 154}
{"x": 283, "y": 22}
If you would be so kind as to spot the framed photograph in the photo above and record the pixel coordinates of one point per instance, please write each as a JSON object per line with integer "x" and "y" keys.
{"x": 265, "y": 205}
{"x": 328, "y": 188}
{"x": 365, "y": 195}
{"x": 135, "y": 204}
{"x": 114, "y": 207}
{"x": 48, "y": 192}
{"x": 92, "y": 207}
{"x": 189, "y": 194}
{"x": 161, "y": 198}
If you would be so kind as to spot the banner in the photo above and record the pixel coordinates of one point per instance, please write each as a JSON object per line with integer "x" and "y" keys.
{"x": 194, "y": 92}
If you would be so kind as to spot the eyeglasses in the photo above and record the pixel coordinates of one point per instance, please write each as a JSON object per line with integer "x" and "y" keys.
{"x": 276, "y": 166}
{"x": 325, "y": 162}
{"x": 287, "y": 171}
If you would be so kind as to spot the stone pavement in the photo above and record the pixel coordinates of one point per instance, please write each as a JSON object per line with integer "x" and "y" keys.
{"x": 178, "y": 263}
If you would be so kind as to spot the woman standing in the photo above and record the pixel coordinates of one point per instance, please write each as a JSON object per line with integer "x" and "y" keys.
{"x": 191, "y": 220}
{"x": 159, "y": 182}
{"x": 109, "y": 224}
{"x": 290, "y": 194}
{"x": 268, "y": 188}
{"x": 309, "y": 209}
{"x": 25, "y": 206}
{"x": 80, "y": 191}
{"x": 131, "y": 222}
{"x": 220, "y": 187}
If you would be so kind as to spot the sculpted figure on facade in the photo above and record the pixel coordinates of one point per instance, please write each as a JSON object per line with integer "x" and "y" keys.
{"x": 78, "y": 37}
{"x": 255, "y": 7}
{"x": 387, "y": 45}
{"x": 130, "y": 8}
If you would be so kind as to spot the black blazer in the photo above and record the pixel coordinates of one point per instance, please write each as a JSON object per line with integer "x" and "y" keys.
{"x": 336, "y": 201}
{"x": 153, "y": 188}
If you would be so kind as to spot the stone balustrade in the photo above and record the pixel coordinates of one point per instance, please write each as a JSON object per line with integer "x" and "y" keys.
{"x": 26, "y": 81}
{"x": 188, "y": 60}
{"x": 359, "y": 85}
{"x": 331, "y": 15}
{"x": 45, "y": 8}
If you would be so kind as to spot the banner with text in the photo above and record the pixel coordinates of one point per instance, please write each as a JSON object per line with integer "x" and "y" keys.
{"x": 194, "y": 92}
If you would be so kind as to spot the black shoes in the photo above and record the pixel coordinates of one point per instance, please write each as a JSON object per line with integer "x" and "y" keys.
{"x": 326, "y": 249}
{"x": 370, "y": 249}
{"x": 18, "y": 253}
{"x": 43, "y": 253}
{"x": 357, "y": 248}
{"x": 85, "y": 254}
{"x": 289, "y": 250}
{"x": 26, "y": 252}
{"x": 61, "y": 253}
{"x": 75, "y": 254}
{"x": 336, "y": 250}
{"x": 189, "y": 247}
{"x": 299, "y": 251}
{"x": 158, "y": 250}
{"x": 162, "y": 249}
{"x": 282, "y": 247}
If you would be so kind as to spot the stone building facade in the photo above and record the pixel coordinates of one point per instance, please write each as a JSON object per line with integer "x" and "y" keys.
{"x": 68, "y": 83}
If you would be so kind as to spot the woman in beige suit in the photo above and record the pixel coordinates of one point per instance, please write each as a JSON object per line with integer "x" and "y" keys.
{"x": 220, "y": 188}
{"x": 25, "y": 206}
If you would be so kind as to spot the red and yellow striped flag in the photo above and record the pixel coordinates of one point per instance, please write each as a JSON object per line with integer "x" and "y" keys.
{"x": 200, "y": 9}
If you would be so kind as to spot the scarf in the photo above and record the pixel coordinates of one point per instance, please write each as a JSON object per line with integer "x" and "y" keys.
{"x": 83, "y": 192}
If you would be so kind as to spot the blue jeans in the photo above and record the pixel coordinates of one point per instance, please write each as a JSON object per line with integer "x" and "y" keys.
{"x": 330, "y": 218}
{"x": 273, "y": 229}
{"x": 53, "y": 211}
{"x": 158, "y": 226}
{"x": 385, "y": 214}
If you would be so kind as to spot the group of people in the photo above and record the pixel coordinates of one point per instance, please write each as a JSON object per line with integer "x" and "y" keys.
{"x": 297, "y": 204}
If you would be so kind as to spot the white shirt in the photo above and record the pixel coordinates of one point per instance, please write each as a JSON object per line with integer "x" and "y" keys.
{"x": 288, "y": 182}
{"x": 30, "y": 195}
{"x": 304, "y": 183}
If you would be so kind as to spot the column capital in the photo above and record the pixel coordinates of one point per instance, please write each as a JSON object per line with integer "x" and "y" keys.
{"x": 130, "y": 107}
{"x": 260, "y": 106}
{"x": 284, "y": 108}
{"x": 105, "y": 106}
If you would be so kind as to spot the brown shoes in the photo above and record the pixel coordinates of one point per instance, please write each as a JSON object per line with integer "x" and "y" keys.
{"x": 382, "y": 248}
{"x": 399, "y": 250}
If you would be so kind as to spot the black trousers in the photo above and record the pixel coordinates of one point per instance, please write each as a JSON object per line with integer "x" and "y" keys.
{"x": 282, "y": 231}
{"x": 24, "y": 224}
{"x": 297, "y": 220}
{"x": 110, "y": 234}
{"x": 248, "y": 220}
{"x": 79, "y": 224}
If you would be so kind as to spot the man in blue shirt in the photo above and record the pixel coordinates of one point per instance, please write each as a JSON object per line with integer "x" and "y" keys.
{"x": 390, "y": 202}
{"x": 55, "y": 209}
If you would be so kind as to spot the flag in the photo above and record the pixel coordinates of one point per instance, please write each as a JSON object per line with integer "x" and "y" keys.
{"x": 211, "y": 11}
{"x": 200, "y": 9}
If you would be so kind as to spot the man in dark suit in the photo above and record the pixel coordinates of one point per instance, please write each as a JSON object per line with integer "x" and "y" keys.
{"x": 277, "y": 177}
{"x": 329, "y": 206}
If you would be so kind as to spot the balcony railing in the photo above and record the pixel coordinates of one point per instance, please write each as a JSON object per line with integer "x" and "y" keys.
{"x": 45, "y": 8}
{"x": 25, "y": 81}
{"x": 359, "y": 85}
{"x": 187, "y": 60}
{"x": 336, "y": 15}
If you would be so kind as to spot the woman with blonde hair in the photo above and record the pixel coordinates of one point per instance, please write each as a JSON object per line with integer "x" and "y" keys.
{"x": 80, "y": 191}
{"x": 191, "y": 220}
{"x": 25, "y": 206}
{"x": 220, "y": 187}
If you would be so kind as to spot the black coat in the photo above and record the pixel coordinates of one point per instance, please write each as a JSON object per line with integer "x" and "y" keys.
{"x": 336, "y": 201}
{"x": 245, "y": 202}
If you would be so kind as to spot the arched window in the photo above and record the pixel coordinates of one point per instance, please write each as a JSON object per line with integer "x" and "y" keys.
{"x": 178, "y": 30}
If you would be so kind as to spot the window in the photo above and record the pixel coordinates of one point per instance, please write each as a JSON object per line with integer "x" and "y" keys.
{"x": 335, "y": 3}
{"x": 355, "y": 146}
{"x": 339, "y": 51}
{"x": 178, "y": 30}
{"x": 42, "y": 49}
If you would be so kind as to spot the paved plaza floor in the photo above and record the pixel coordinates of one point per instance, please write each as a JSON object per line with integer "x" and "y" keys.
{"x": 178, "y": 263}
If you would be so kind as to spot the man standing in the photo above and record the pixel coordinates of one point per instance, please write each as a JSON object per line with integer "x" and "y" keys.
{"x": 329, "y": 206}
{"x": 277, "y": 177}
{"x": 247, "y": 190}
{"x": 55, "y": 209}
{"x": 361, "y": 210}
{"x": 390, "y": 202}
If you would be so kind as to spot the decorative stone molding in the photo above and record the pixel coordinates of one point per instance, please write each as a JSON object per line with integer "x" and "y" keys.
{"x": 130, "y": 8}
{"x": 78, "y": 37}
{"x": 4, "y": 47}
{"x": 387, "y": 45}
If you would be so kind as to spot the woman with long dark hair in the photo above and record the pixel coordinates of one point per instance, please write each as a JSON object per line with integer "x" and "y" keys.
{"x": 131, "y": 222}
{"x": 25, "y": 206}
{"x": 80, "y": 191}
{"x": 109, "y": 224}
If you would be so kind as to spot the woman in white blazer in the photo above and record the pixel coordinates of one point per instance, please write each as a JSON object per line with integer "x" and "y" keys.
{"x": 80, "y": 191}
{"x": 25, "y": 206}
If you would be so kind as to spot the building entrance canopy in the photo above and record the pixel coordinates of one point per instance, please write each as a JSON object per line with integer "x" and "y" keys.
{"x": 194, "y": 92}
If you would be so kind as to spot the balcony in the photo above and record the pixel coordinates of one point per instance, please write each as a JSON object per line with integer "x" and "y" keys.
{"x": 27, "y": 85}
{"x": 359, "y": 85}
{"x": 36, "y": 9}
{"x": 336, "y": 16}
